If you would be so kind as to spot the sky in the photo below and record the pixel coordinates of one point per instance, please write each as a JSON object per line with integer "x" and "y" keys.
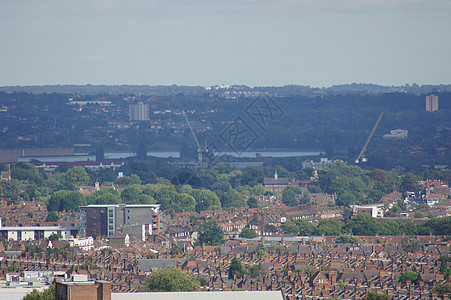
{"x": 210, "y": 42}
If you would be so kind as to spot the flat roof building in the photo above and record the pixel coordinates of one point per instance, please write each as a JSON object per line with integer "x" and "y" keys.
{"x": 83, "y": 290}
{"x": 374, "y": 210}
{"x": 104, "y": 220}
{"x": 431, "y": 103}
{"x": 139, "y": 112}
{"x": 26, "y": 233}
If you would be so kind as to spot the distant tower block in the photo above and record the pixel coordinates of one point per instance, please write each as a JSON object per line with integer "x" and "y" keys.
{"x": 431, "y": 103}
{"x": 139, "y": 112}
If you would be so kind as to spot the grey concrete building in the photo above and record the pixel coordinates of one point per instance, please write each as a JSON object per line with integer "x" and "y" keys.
{"x": 139, "y": 112}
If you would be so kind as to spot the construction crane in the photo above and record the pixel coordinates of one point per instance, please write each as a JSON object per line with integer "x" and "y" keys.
{"x": 199, "y": 147}
{"x": 362, "y": 152}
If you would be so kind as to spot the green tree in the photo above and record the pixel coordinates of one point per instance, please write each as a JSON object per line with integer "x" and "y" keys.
{"x": 410, "y": 244}
{"x": 252, "y": 202}
{"x": 163, "y": 194}
{"x": 236, "y": 269}
{"x": 346, "y": 238}
{"x": 32, "y": 189}
{"x": 169, "y": 280}
{"x": 206, "y": 200}
{"x": 408, "y": 275}
{"x": 52, "y": 216}
{"x": 185, "y": 189}
{"x": 289, "y": 227}
{"x": 376, "y": 296}
{"x": 252, "y": 176}
{"x": 347, "y": 197}
{"x": 305, "y": 227}
{"x": 222, "y": 184}
{"x": 203, "y": 281}
{"x": 235, "y": 177}
{"x": 424, "y": 207}
{"x": 175, "y": 250}
{"x": 282, "y": 172}
{"x": 47, "y": 294}
{"x": 330, "y": 227}
{"x": 146, "y": 199}
{"x": 210, "y": 233}
{"x": 107, "y": 175}
{"x": 444, "y": 269}
{"x": 180, "y": 202}
{"x": 391, "y": 228}
{"x": 341, "y": 177}
{"x": 66, "y": 200}
{"x": 130, "y": 194}
{"x": 409, "y": 183}
{"x": 106, "y": 196}
{"x": 187, "y": 176}
{"x": 261, "y": 250}
{"x": 248, "y": 234}
{"x": 207, "y": 177}
{"x": 24, "y": 171}
{"x": 256, "y": 271}
{"x": 233, "y": 198}
{"x": 378, "y": 175}
{"x": 289, "y": 196}
{"x": 54, "y": 236}
{"x": 363, "y": 224}
{"x": 10, "y": 190}
{"x": 439, "y": 226}
{"x": 305, "y": 198}
{"x": 258, "y": 190}
{"x": 441, "y": 289}
{"x": 75, "y": 177}
{"x": 128, "y": 180}
{"x": 302, "y": 175}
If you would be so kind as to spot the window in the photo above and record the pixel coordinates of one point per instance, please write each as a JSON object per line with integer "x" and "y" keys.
{"x": 320, "y": 280}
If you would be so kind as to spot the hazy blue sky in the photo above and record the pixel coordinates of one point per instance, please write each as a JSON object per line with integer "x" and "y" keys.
{"x": 208, "y": 42}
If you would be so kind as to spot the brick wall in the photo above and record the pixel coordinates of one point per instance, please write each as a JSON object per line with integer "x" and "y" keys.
{"x": 99, "y": 290}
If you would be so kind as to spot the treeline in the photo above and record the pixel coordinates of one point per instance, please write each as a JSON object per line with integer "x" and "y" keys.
{"x": 182, "y": 190}
{"x": 353, "y": 185}
{"x": 177, "y": 190}
{"x": 364, "y": 224}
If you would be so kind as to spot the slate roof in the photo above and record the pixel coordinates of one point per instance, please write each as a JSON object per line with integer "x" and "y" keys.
{"x": 147, "y": 265}
{"x": 267, "y": 265}
{"x": 239, "y": 249}
{"x": 272, "y": 181}
{"x": 226, "y": 249}
{"x": 10, "y": 254}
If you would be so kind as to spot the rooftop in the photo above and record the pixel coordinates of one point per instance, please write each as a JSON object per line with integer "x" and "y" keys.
{"x": 245, "y": 295}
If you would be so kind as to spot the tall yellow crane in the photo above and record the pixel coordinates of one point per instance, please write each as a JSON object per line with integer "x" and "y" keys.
{"x": 362, "y": 152}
